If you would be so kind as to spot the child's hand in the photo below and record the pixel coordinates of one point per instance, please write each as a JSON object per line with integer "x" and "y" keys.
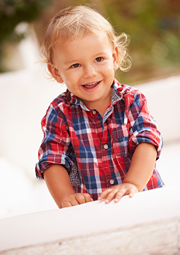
{"x": 76, "y": 199}
{"x": 117, "y": 192}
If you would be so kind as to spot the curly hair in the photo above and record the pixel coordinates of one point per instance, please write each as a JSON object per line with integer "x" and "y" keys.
{"x": 78, "y": 21}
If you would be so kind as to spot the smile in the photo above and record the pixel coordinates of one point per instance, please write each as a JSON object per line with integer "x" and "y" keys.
{"x": 91, "y": 86}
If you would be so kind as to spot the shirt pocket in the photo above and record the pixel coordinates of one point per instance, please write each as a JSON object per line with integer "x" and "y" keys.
{"x": 120, "y": 141}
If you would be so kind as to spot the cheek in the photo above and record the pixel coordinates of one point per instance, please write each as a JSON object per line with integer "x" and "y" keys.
{"x": 109, "y": 67}
{"x": 71, "y": 78}
{"x": 74, "y": 74}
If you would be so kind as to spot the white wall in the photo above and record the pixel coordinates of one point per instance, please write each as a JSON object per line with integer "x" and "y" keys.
{"x": 148, "y": 223}
{"x": 164, "y": 104}
{"x": 24, "y": 98}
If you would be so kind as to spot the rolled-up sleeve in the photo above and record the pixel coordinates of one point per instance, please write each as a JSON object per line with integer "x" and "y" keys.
{"x": 55, "y": 147}
{"x": 142, "y": 126}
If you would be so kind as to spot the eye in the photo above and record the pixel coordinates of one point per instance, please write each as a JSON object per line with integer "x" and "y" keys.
{"x": 99, "y": 59}
{"x": 75, "y": 65}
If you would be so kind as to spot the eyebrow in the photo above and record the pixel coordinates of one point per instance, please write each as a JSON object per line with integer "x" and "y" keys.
{"x": 77, "y": 61}
{"x": 71, "y": 62}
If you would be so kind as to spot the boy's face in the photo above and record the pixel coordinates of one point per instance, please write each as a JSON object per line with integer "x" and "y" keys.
{"x": 87, "y": 68}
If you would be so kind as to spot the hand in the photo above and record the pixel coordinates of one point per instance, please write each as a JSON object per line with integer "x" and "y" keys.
{"x": 76, "y": 199}
{"x": 117, "y": 192}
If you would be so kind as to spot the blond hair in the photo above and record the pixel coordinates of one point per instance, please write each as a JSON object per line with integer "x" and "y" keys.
{"x": 78, "y": 21}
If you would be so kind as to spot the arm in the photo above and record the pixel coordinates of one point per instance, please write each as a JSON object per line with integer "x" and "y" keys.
{"x": 142, "y": 165}
{"x": 139, "y": 173}
{"x": 59, "y": 185}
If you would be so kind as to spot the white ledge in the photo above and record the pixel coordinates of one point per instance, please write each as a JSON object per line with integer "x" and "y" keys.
{"x": 95, "y": 227}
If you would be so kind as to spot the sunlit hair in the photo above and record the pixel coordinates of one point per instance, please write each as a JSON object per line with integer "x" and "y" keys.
{"x": 78, "y": 21}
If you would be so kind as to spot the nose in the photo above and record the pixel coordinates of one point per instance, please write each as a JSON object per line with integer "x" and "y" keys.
{"x": 90, "y": 71}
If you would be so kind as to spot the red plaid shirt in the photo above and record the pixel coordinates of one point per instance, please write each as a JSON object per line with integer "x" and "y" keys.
{"x": 96, "y": 151}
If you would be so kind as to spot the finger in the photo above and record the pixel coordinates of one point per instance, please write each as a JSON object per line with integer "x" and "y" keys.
{"x": 87, "y": 197}
{"x": 111, "y": 195}
{"x": 119, "y": 195}
{"x": 83, "y": 198}
{"x": 123, "y": 192}
{"x": 131, "y": 192}
{"x": 104, "y": 194}
{"x": 73, "y": 200}
{"x": 80, "y": 198}
{"x": 65, "y": 203}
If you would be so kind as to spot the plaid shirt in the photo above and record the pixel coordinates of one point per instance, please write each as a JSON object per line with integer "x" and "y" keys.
{"x": 97, "y": 151}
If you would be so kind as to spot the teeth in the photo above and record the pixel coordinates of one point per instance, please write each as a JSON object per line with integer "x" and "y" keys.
{"x": 90, "y": 84}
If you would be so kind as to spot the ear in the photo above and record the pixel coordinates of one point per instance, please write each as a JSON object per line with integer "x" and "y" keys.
{"x": 115, "y": 56}
{"x": 55, "y": 72}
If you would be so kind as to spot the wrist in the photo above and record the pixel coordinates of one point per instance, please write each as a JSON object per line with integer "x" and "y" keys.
{"x": 132, "y": 183}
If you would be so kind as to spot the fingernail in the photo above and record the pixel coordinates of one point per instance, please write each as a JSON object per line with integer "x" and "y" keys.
{"x": 130, "y": 195}
{"x": 107, "y": 201}
{"x": 99, "y": 198}
{"x": 116, "y": 200}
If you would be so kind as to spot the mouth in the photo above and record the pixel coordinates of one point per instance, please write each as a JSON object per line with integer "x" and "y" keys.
{"x": 90, "y": 86}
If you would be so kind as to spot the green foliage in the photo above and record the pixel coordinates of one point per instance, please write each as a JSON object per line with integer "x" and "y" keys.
{"x": 12, "y": 12}
{"x": 154, "y": 29}
{"x": 153, "y": 26}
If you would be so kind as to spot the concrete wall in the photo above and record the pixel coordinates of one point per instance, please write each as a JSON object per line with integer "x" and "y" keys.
{"x": 24, "y": 98}
{"x": 164, "y": 105}
{"x": 147, "y": 224}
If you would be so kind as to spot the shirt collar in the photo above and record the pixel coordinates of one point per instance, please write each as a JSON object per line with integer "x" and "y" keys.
{"x": 115, "y": 96}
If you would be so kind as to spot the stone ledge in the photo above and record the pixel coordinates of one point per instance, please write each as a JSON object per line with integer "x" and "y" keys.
{"x": 156, "y": 238}
{"x": 148, "y": 224}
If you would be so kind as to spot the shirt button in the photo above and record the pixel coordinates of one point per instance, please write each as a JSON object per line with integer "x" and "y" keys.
{"x": 106, "y": 146}
{"x": 94, "y": 112}
{"x": 111, "y": 181}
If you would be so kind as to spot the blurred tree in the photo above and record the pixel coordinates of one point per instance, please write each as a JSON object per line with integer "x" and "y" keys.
{"x": 12, "y": 12}
{"x": 153, "y": 26}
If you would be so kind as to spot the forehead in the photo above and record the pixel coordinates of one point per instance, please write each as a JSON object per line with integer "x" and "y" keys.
{"x": 98, "y": 38}
{"x": 86, "y": 47}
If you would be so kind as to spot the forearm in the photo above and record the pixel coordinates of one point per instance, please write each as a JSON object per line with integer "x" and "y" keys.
{"x": 58, "y": 183}
{"x": 142, "y": 165}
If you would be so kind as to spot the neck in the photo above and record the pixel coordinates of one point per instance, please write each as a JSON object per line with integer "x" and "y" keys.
{"x": 101, "y": 105}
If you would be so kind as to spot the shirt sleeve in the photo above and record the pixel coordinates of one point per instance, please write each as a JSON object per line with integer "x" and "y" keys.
{"x": 55, "y": 147}
{"x": 142, "y": 126}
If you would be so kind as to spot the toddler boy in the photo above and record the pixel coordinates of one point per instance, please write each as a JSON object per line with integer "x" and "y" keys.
{"x": 100, "y": 141}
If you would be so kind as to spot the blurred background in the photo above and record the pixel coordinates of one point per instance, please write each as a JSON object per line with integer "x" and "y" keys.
{"x": 153, "y": 26}
{"x": 25, "y": 93}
